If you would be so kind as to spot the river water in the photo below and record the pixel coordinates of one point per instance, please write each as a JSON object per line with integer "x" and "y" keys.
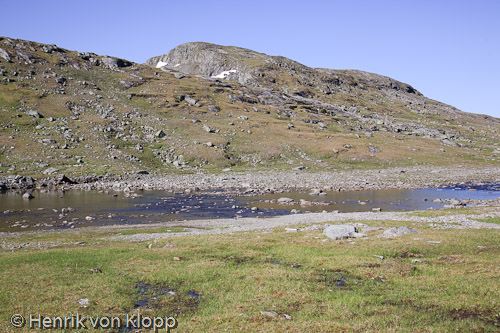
{"x": 47, "y": 210}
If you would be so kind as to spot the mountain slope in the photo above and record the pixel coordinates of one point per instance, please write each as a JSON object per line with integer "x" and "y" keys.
{"x": 209, "y": 107}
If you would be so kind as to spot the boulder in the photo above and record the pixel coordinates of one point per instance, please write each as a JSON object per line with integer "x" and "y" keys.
{"x": 5, "y": 55}
{"x": 213, "y": 108}
{"x": 160, "y": 134}
{"x": 191, "y": 101}
{"x": 398, "y": 231}
{"x": 342, "y": 231}
{"x": 51, "y": 48}
{"x": 112, "y": 62}
{"x": 316, "y": 191}
{"x": 284, "y": 200}
{"x": 62, "y": 179}
{"x": 35, "y": 114}
{"x": 208, "y": 129}
{"x": 27, "y": 196}
{"x": 50, "y": 171}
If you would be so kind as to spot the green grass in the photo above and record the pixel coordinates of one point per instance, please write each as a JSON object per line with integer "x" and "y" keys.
{"x": 495, "y": 220}
{"x": 323, "y": 286}
{"x": 151, "y": 231}
{"x": 445, "y": 212}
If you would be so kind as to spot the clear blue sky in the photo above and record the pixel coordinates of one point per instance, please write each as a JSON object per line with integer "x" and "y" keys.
{"x": 449, "y": 50}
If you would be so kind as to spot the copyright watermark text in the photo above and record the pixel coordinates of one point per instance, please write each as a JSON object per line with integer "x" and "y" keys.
{"x": 77, "y": 321}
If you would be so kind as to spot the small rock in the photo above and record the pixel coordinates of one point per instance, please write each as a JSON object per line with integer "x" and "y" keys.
{"x": 95, "y": 271}
{"x": 89, "y": 218}
{"x": 269, "y": 313}
{"x": 284, "y": 200}
{"x": 84, "y": 302}
{"x": 176, "y": 259}
{"x": 27, "y": 196}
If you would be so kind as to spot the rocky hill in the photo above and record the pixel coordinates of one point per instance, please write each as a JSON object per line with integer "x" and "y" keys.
{"x": 205, "y": 107}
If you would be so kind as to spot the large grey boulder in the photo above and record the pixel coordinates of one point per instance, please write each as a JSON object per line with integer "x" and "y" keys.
{"x": 112, "y": 62}
{"x": 342, "y": 231}
{"x": 398, "y": 231}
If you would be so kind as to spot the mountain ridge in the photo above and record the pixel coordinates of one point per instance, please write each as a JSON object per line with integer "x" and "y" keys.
{"x": 222, "y": 107}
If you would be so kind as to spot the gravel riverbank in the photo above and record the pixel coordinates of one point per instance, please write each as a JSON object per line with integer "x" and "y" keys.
{"x": 268, "y": 181}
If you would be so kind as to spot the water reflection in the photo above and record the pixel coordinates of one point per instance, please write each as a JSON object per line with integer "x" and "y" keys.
{"x": 50, "y": 209}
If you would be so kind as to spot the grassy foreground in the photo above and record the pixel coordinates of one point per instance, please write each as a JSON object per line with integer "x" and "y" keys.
{"x": 301, "y": 282}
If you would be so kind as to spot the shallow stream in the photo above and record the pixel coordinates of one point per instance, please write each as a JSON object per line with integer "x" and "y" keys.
{"x": 89, "y": 208}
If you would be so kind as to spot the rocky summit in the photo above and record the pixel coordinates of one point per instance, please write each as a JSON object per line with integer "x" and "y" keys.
{"x": 208, "y": 108}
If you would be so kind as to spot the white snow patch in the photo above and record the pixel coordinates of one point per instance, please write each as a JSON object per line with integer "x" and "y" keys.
{"x": 224, "y": 74}
{"x": 160, "y": 64}
{"x": 177, "y": 65}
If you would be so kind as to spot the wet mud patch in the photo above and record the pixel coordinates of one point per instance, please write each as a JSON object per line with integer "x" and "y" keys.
{"x": 412, "y": 253}
{"x": 392, "y": 267}
{"x": 340, "y": 279}
{"x": 278, "y": 262}
{"x": 475, "y": 313}
{"x": 245, "y": 260}
{"x": 404, "y": 254}
{"x": 234, "y": 259}
{"x": 168, "y": 299}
